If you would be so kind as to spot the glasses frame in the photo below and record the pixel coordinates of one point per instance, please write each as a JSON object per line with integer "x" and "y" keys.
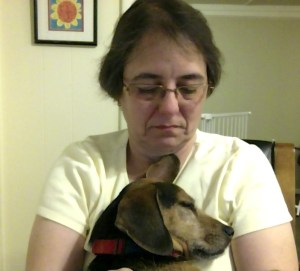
{"x": 129, "y": 88}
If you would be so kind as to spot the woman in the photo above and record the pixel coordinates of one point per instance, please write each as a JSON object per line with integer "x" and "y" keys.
{"x": 161, "y": 66}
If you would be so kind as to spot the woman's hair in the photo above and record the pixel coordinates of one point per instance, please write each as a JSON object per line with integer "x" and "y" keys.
{"x": 175, "y": 19}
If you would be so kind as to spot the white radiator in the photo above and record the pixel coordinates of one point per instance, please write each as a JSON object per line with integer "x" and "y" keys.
{"x": 228, "y": 124}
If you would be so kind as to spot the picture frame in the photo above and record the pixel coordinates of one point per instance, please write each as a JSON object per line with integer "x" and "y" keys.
{"x": 68, "y": 22}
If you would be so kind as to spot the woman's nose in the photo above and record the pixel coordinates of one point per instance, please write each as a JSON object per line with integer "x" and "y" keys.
{"x": 168, "y": 103}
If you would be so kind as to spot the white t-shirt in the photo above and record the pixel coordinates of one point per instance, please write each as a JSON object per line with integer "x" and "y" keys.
{"x": 229, "y": 179}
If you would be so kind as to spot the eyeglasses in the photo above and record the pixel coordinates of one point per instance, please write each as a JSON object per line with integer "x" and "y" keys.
{"x": 155, "y": 92}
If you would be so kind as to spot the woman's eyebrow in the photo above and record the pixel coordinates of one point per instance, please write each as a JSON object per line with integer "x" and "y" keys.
{"x": 192, "y": 76}
{"x": 146, "y": 76}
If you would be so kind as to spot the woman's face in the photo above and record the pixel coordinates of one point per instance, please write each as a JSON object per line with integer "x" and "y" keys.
{"x": 167, "y": 124}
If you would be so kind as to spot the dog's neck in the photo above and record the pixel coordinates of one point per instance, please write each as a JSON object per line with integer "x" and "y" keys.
{"x": 122, "y": 247}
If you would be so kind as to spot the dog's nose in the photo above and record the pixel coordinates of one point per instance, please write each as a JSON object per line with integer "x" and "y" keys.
{"x": 228, "y": 230}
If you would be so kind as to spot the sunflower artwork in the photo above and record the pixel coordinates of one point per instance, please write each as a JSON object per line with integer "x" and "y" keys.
{"x": 71, "y": 22}
{"x": 66, "y": 15}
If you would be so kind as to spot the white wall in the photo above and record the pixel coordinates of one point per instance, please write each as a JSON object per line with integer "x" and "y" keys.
{"x": 49, "y": 98}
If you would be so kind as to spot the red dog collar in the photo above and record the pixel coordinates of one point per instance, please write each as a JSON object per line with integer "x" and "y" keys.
{"x": 112, "y": 246}
{"x": 119, "y": 246}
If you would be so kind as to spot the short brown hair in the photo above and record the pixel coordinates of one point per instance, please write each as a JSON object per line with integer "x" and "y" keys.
{"x": 172, "y": 17}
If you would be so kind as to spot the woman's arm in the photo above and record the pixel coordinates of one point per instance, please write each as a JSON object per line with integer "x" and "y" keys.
{"x": 53, "y": 246}
{"x": 269, "y": 249}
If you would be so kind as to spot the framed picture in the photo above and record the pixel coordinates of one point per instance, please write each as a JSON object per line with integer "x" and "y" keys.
{"x": 71, "y": 22}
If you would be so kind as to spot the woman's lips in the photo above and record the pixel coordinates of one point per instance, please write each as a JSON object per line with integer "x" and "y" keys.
{"x": 166, "y": 127}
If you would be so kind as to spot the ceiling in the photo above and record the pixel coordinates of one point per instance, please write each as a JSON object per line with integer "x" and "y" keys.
{"x": 248, "y": 2}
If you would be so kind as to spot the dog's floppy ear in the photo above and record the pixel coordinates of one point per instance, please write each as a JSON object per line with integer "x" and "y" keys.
{"x": 139, "y": 216}
{"x": 166, "y": 169}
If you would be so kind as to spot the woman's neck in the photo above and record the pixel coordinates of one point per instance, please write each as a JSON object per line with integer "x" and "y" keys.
{"x": 138, "y": 161}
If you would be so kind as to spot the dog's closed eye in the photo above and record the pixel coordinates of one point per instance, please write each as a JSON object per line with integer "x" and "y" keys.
{"x": 187, "y": 204}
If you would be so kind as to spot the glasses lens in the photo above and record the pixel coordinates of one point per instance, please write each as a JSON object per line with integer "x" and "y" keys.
{"x": 146, "y": 92}
{"x": 191, "y": 92}
{"x": 153, "y": 92}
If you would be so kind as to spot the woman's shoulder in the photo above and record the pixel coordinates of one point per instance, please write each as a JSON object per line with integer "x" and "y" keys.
{"x": 214, "y": 147}
{"x": 100, "y": 143}
{"x": 219, "y": 142}
{"x": 110, "y": 140}
{"x": 96, "y": 147}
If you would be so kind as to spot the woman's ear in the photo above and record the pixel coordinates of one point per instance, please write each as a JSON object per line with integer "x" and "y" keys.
{"x": 166, "y": 169}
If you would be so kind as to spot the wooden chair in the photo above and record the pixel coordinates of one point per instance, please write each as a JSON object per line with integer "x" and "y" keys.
{"x": 285, "y": 172}
{"x": 285, "y": 163}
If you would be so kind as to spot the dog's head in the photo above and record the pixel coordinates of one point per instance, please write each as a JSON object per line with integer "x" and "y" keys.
{"x": 161, "y": 217}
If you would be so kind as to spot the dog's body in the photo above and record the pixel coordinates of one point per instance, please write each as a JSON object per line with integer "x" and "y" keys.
{"x": 154, "y": 225}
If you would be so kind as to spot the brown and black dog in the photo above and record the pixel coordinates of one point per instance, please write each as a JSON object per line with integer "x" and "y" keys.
{"x": 154, "y": 225}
